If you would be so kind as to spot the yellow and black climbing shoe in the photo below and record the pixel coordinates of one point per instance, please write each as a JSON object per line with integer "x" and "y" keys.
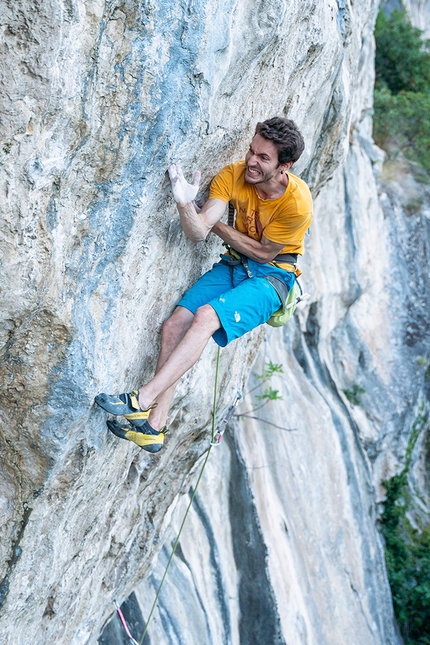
{"x": 125, "y": 405}
{"x": 145, "y": 436}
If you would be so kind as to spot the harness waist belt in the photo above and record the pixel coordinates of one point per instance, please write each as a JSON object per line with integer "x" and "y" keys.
{"x": 289, "y": 258}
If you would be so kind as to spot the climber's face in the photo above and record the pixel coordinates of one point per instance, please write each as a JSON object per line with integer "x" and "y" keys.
{"x": 262, "y": 164}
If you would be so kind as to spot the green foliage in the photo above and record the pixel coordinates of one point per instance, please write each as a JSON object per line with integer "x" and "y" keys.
{"x": 269, "y": 370}
{"x": 401, "y": 121}
{"x": 402, "y": 59}
{"x": 407, "y": 554}
{"x": 423, "y": 360}
{"x": 353, "y": 395}
{"x": 270, "y": 395}
{"x": 414, "y": 205}
{"x": 402, "y": 90}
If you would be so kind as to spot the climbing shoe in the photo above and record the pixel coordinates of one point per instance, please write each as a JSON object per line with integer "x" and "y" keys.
{"x": 145, "y": 436}
{"x": 125, "y": 405}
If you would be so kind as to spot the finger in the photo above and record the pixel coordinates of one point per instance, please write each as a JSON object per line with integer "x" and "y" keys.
{"x": 172, "y": 172}
{"x": 179, "y": 171}
{"x": 196, "y": 179}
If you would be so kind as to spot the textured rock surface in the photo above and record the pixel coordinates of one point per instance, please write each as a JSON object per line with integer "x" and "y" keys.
{"x": 98, "y": 97}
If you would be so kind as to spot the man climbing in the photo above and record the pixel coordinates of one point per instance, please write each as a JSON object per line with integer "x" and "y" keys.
{"x": 243, "y": 290}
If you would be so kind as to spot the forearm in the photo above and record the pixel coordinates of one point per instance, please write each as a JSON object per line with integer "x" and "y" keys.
{"x": 195, "y": 223}
{"x": 192, "y": 223}
{"x": 243, "y": 244}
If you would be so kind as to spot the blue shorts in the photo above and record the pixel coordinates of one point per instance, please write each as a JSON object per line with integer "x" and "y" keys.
{"x": 241, "y": 303}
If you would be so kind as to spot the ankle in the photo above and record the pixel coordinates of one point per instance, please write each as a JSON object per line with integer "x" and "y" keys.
{"x": 156, "y": 421}
{"x": 143, "y": 399}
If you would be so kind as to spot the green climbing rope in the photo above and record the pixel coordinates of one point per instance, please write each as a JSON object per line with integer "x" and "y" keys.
{"x": 154, "y": 604}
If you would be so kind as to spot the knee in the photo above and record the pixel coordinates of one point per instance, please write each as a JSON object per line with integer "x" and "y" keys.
{"x": 207, "y": 317}
{"x": 177, "y": 325}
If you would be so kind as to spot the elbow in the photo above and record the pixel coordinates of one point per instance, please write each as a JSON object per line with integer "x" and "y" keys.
{"x": 264, "y": 256}
{"x": 196, "y": 238}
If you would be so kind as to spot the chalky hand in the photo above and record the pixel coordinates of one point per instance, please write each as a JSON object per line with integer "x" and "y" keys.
{"x": 183, "y": 192}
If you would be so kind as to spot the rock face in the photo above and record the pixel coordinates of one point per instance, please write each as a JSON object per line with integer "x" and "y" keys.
{"x": 281, "y": 545}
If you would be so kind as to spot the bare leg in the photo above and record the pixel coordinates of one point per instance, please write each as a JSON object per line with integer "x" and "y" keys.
{"x": 183, "y": 357}
{"x": 174, "y": 329}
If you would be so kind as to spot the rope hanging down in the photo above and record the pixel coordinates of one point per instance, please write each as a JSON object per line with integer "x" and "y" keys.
{"x": 215, "y": 439}
{"x": 124, "y": 623}
{"x": 191, "y": 500}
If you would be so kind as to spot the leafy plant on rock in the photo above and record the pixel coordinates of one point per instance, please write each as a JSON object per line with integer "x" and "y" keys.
{"x": 354, "y": 394}
{"x": 267, "y": 395}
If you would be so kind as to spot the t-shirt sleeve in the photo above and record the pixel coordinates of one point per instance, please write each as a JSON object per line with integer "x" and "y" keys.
{"x": 222, "y": 185}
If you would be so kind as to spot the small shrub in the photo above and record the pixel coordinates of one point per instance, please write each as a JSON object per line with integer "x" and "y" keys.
{"x": 269, "y": 370}
{"x": 269, "y": 394}
{"x": 354, "y": 394}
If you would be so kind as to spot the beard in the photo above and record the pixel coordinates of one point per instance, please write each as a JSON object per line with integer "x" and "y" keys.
{"x": 254, "y": 175}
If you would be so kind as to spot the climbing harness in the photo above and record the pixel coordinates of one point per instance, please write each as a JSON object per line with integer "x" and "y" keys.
{"x": 289, "y": 298}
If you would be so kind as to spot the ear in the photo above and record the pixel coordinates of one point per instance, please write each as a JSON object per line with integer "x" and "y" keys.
{"x": 286, "y": 166}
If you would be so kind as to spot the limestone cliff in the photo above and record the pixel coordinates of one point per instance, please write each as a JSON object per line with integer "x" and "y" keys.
{"x": 98, "y": 98}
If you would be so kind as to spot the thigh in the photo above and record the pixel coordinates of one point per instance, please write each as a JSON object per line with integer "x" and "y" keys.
{"x": 211, "y": 285}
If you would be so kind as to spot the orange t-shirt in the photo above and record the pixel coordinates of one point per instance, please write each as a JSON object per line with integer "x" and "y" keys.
{"x": 284, "y": 220}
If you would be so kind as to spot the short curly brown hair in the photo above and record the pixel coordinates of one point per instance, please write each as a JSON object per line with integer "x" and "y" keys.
{"x": 285, "y": 135}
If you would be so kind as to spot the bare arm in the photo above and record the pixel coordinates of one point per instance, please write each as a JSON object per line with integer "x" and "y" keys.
{"x": 196, "y": 225}
{"x": 263, "y": 251}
